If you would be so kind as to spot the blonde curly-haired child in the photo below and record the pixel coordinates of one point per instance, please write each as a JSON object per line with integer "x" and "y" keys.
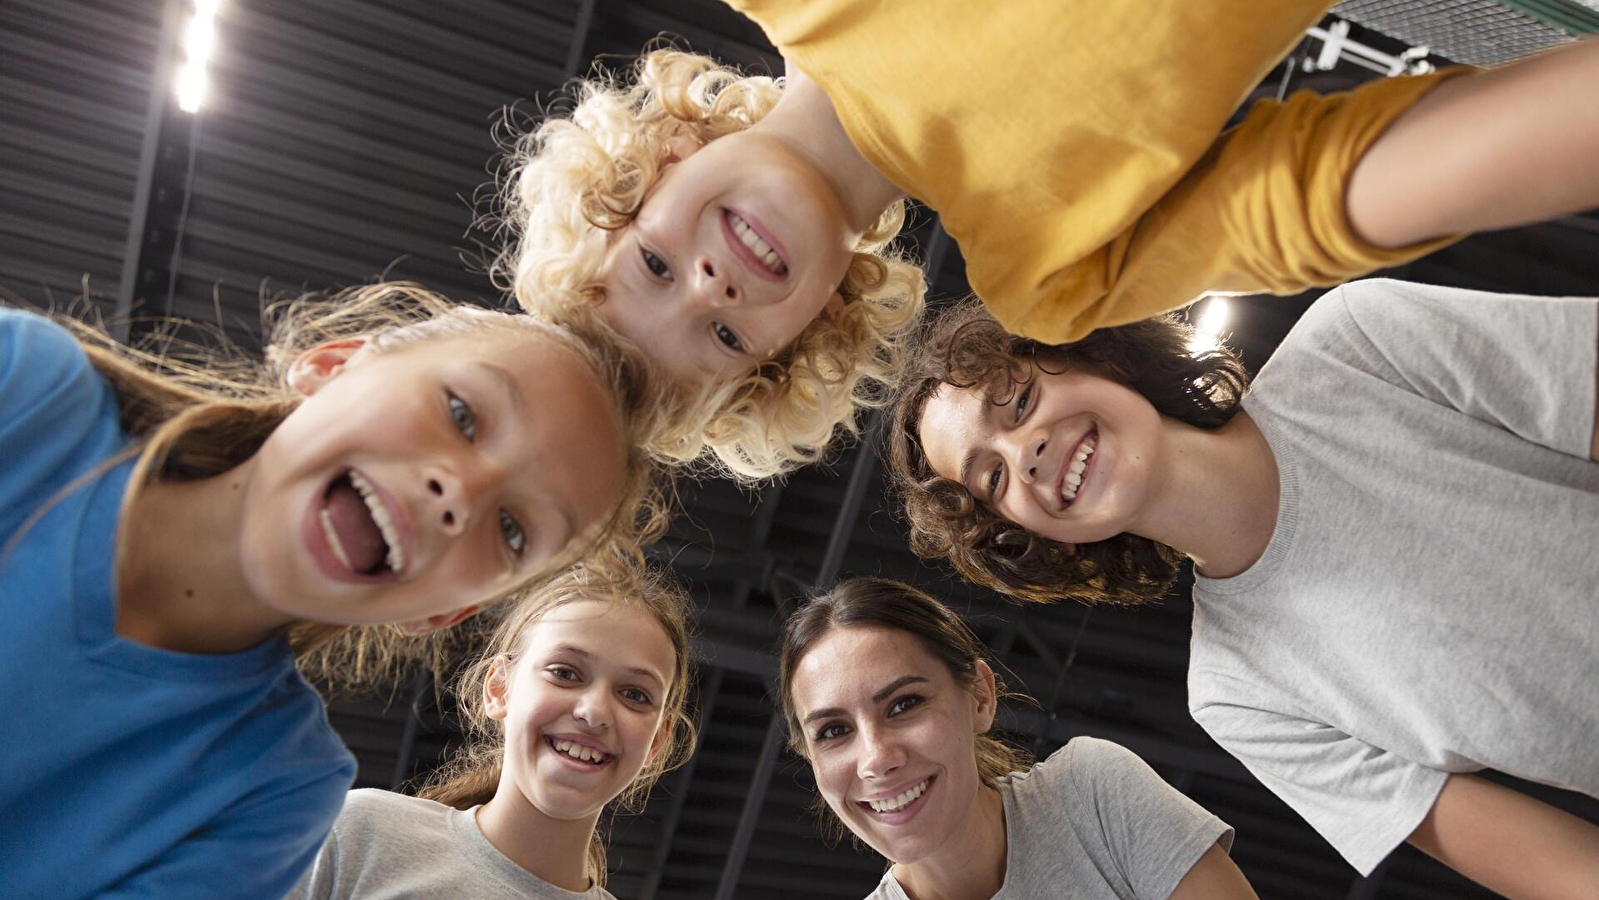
{"x": 1077, "y": 158}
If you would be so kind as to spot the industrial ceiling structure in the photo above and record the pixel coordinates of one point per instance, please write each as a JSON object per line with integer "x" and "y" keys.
{"x": 345, "y": 140}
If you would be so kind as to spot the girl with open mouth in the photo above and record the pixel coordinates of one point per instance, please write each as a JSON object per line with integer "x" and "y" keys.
{"x": 176, "y": 535}
{"x": 889, "y": 697}
{"x": 1392, "y": 536}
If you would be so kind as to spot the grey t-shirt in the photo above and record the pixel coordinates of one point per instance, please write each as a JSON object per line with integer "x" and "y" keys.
{"x": 1429, "y": 600}
{"x": 388, "y": 846}
{"x": 1094, "y": 822}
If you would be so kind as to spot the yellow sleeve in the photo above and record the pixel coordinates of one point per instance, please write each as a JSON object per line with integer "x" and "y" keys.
{"x": 1262, "y": 212}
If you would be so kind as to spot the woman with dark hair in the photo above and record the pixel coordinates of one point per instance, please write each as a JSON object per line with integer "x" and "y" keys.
{"x": 889, "y": 697}
{"x": 1393, "y": 537}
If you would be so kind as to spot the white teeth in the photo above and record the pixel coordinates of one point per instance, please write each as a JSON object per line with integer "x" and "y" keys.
{"x": 760, "y": 248}
{"x": 333, "y": 539}
{"x": 385, "y": 521}
{"x": 1074, "y": 476}
{"x": 578, "y": 751}
{"x": 900, "y": 802}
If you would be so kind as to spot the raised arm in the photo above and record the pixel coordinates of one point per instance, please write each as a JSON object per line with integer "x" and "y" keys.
{"x": 1510, "y": 843}
{"x": 1214, "y": 877}
{"x": 1498, "y": 148}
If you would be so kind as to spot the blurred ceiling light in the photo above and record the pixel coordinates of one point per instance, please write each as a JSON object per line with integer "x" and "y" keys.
{"x": 1208, "y": 326}
{"x": 199, "y": 40}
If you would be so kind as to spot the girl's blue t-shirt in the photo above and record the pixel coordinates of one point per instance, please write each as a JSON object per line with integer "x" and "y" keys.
{"x": 125, "y": 770}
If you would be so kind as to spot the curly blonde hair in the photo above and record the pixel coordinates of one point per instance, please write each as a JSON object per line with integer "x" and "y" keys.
{"x": 472, "y": 776}
{"x": 194, "y": 413}
{"x": 568, "y": 184}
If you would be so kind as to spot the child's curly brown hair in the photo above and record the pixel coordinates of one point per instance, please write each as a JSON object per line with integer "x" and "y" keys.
{"x": 968, "y": 349}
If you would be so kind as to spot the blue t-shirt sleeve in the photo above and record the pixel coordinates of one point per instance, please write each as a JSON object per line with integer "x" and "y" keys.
{"x": 53, "y": 411}
{"x": 259, "y": 850}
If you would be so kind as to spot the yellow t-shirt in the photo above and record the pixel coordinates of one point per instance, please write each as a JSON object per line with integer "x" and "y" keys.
{"x": 1074, "y": 150}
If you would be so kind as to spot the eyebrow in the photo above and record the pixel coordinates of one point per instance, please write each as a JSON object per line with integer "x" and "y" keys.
{"x": 636, "y": 670}
{"x": 507, "y": 382}
{"x": 881, "y": 695}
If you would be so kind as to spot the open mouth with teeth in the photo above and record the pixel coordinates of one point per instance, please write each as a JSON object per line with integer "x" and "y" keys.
{"x": 760, "y": 252}
{"x": 900, "y": 802}
{"x": 1077, "y": 469}
{"x": 579, "y": 752}
{"x": 359, "y": 528}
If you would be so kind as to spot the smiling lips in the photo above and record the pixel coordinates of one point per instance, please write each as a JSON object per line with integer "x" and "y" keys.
{"x": 579, "y": 751}
{"x": 752, "y": 248}
{"x": 1072, "y": 481}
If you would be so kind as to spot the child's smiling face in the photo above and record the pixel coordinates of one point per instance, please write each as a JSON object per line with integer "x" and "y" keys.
{"x": 1067, "y": 456}
{"x": 738, "y": 246}
{"x": 582, "y": 706}
{"x": 416, "y": 484}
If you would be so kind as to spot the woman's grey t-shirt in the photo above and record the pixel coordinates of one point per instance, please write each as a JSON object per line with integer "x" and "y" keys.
{"x": 388, "y": 846}
{"x": 1094, "y": 822}
{"x": 1429, "y": 600}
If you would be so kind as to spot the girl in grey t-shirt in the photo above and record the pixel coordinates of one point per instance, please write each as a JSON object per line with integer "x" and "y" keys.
{"x": 579, "y": 701}
{"x": 1393, "y": 536}
{"x": 889, "y": 699}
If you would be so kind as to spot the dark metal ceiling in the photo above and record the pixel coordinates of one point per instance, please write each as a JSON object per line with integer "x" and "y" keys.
{"x": 345, "y": 139}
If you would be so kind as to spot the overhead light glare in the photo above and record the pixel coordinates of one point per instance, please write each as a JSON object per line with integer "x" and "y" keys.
{"x": 199, "y": 42}
{"x": 1208, "y": 327}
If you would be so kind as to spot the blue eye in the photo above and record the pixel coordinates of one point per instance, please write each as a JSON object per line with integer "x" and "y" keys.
{"x": 727, "y": 337}
{"x": 563, "y": 673}
{"x": 464, "y": 418}
{"x": 655, "y": 264}
{"x": 637, "y": 696}
{"x": 512, "y": 533}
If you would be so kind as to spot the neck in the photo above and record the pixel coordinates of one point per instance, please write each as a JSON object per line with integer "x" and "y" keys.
{"x": 1215, "y": 498}
{"x": 180, "y": 582}
{"x": 553, "y": 850}
{"x": 971, "y": 865}
{"x": 804, "y": 119}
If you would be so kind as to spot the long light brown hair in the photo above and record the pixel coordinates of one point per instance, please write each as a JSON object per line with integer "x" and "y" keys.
{"x": 473, "y": 775}
{"x": 193, "y": 413}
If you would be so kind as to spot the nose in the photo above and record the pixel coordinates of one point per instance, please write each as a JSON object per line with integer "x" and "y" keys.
{"x": 1025, "y": 453}
{"x": 715, "y": 287}
{"x": 594, "y": 708}
{"x": 881, "y": 754}
{"x": 454, "y": 494}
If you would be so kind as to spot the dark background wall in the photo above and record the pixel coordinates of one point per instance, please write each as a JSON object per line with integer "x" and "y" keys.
{"x": 344, "y": 140}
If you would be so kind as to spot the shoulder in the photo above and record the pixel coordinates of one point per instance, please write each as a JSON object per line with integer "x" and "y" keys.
{"x": 370, "y": 805}
{"x": 39, "y": 355}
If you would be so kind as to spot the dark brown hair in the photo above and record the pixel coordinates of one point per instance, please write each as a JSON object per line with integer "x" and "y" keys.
{"x": 968, "y": 350}
{"x": 884, "y": 603}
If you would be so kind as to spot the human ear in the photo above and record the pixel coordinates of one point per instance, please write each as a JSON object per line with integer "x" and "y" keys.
{"x": 663, "y": 733}
{"x": 438, "y": 621}
{"x": 497, "y": 689}
{"x": 679, "y": 149}
{"x": 314, "y": 368}
{"x": 834, "y": 307}
{"x": 985, "y": 695}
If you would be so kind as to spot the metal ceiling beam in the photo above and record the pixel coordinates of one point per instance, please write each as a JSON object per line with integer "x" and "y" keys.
{"x": 674, "y": 812}
{"x": 163, "y": 125}
{"x": 577, "y": 52}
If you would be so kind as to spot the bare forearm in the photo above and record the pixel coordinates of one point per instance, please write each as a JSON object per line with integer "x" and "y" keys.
{"x": 1509, "y": 842}
{"x": 1214, "y": 877}
{"x": 1490, "y": 150}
